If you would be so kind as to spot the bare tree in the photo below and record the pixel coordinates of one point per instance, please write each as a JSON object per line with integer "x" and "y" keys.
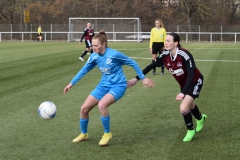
{"x": 197, "y": 9}
{"x": 7, "y": 10}
{"x": 189, "y": 12}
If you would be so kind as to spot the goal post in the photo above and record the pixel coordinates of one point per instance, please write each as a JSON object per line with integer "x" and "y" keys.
{"x": 117, "y": 29}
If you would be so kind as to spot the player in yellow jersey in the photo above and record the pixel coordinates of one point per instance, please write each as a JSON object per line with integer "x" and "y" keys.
{"x": 39, "y": 38}
{"x": 157, "y": 39}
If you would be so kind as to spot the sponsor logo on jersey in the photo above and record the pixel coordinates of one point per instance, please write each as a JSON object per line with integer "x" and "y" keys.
{"x": 177, "y": 72}
{"x": 105, "y": 70}
{"x": 179, "y": 64}
{"x": 109, "y": 61}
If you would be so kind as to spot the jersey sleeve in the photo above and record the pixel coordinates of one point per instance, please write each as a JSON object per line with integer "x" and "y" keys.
{"x": 151, "y": 38}
{"x": 89, "y": 65}
{"x": 157, "y": 63}
{"x": 84, "y": 34}
{"x": 124, "y": 60}
{"x": 164, "y": 36}
{"x": 190, "y": 67}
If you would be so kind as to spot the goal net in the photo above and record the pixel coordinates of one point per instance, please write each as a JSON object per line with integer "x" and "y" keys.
{"x": 117, "y": 29}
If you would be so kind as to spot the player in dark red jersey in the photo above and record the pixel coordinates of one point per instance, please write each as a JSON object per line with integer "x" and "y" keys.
{"x": 181, "y": 64}
{"x": 87, "y": 35}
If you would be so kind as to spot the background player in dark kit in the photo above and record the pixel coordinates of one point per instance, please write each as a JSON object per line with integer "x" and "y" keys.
{"x": 87, "y": 35}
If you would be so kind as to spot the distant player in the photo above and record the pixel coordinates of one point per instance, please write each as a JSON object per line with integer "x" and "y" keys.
{"x": 87, "y": 35}
{"x": 157, "y": 38}
{"x": 39, "y": 38}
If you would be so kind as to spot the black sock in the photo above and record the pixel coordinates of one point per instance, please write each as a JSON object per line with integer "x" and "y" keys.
{"x": 162, "y": 67}
{"x": 196, "y": 113}
{"x": 188, "y": 119}
{"x": 154, "y": 69}
{"x": 84, "y": 53}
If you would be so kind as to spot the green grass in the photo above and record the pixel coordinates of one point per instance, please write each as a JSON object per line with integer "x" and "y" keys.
{"x": 146, "y": 123}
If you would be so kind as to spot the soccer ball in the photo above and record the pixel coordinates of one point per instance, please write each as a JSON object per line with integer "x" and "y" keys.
{"x": 47, "y": 110}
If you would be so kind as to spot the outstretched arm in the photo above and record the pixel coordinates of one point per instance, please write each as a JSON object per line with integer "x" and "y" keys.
{"x": 146, "y": 83}
{"x": 157, "y": 63}
{"x": 84, "y": 34}
{"x": 66, "y": 89}
{"x": 128, "y": 61}
{"x": 132, "y": 82}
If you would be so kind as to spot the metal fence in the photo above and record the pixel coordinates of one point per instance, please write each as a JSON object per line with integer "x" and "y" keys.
{"x": 169, "y": 28}
{"x": 194, "y": 33}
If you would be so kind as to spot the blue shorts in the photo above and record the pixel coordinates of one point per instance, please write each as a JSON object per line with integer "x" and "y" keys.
{"x": 117, "y": 91}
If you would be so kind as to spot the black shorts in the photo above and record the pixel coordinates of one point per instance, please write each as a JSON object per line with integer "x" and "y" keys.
{"x": 88, "y": 43}
{"x": 157, "y": 47}
{"x": 195, "y": 88}
{"x": 40, "y": 34}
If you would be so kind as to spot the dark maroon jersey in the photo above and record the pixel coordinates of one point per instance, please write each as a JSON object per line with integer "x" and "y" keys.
{"x": 88, "y": 34}
{"x": 182, "y": 67}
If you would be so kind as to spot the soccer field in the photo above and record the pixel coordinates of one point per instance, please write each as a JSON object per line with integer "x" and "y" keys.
{"x": 146, "y": 123}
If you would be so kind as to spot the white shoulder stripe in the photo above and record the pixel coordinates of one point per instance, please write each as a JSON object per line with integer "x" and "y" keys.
{"x": 164, "y": 53}
{"x": 184, "y": 54}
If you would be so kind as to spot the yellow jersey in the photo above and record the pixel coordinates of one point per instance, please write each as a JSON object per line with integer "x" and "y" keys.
{"x": 39, "y": 30}
{"x": 157, "y": 35}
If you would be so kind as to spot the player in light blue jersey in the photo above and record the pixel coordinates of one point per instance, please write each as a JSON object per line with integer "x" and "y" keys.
{"x": 111, "y": 87}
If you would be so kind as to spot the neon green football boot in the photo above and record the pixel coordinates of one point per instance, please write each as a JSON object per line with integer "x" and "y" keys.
{"x": 200, "y": 123}
{"x": 189, "y": 135}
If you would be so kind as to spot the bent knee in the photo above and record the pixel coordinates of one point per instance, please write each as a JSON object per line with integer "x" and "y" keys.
{"x": 184, "y": 109}
{"x": 101, "y": 105}
{"x": 184, "y": 112}
{"x": 84, "y": 110}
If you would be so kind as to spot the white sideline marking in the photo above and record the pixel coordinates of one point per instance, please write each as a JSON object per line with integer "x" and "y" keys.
{"x": 235, "y": 61}
{"x": 213, "y": 48}
{"x": 183, "y": 47}
{"x": 200, "y": 60}
{"x": 132, "y": 49}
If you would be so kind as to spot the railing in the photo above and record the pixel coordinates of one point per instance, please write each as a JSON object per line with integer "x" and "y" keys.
{"x": 213, "y": 36}
{"x": 210, "y": 37}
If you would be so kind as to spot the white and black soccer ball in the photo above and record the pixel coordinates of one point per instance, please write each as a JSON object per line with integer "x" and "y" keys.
{"x": 47, "y": 110}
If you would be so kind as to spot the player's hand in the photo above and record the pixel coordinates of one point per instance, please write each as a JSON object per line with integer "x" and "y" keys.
{"x": 131, "y": 82}
{"x": 80, "y": 43}
{"x": 150, "y": 50}
{"x": 66, "y": 89}
{"x": 180, "y": 97}
{"x": 148, "y": 83}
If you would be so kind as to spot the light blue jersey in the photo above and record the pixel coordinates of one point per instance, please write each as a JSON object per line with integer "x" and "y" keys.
{"x": 110, "y": 64}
